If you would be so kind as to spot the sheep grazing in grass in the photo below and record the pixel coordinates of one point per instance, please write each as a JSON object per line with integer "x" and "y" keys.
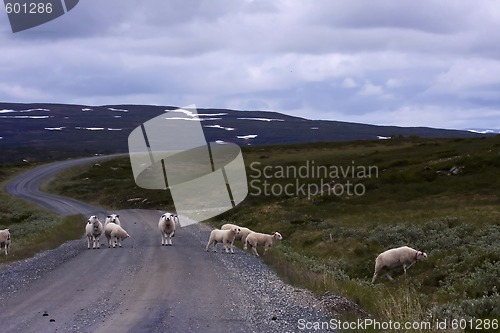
{"x": 402, "y": 256}
{"x": 255, "y": 239}
{"x": 223, "y": 236}
{"x": 93, "y": 229}
{"x": 114, "y": 233}
{"x": 113, "y": 218}
{"x": 5, "y": 240}
{"x": 167, "y": 228}
{"x": 244, "y": 232}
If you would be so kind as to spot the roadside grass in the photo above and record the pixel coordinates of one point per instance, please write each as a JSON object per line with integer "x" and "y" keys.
{"x": 331, "y": 239}
{"x": 33, "y": 230}
{"x": 109, "y": 184}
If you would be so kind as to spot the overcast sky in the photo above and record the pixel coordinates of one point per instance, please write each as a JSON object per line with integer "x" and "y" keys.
{"x": 408, "y": 63}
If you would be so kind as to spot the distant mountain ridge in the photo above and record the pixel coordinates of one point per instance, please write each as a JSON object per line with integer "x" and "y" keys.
{"x": 105, "y": 129}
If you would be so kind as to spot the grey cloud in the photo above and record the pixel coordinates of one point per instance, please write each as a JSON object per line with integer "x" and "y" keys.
{"x": 285, "y": 55}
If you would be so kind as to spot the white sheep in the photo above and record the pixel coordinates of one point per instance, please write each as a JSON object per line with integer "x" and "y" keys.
{"x": 255, "y": 239}
{"x": 5, "y": 240}
{"x": 402, "y": 256}
{"x": 167, "y": 228}
{"x": 115, "y": 234}
{"x": 113, "y": 218}
{"x": 223, "y": 236}
{"x": 93, "y": 230}
{"x": 244, "y": 232}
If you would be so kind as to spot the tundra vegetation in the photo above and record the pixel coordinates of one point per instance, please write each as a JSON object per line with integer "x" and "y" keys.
{"x": 440, "y": 196}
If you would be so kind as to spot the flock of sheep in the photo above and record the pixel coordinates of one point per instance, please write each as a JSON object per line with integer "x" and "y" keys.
{"x": 115, "y": 233}
{"x": 386, "y": 261}
{"x": 112, "y": 229}
{"x": 228, "y": 233}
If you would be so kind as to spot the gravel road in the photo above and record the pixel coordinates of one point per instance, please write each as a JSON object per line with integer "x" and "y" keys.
{"x": 144, "y": 287}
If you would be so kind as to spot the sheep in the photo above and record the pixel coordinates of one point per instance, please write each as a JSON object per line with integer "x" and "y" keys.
{"x": 114, "y": 233}
{"x": 256, "y": 238}
{"x": 113, "y": 218}
{"x": 167, "y": 228}
{"x": 393, "y": 258}
{"x": 5, "y": 240}
{"x": 244, "y": 232}
{"x": 224, "y": 237}
{"x": 93, "y": 229}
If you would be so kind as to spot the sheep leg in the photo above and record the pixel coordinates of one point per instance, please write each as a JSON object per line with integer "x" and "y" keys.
{"x": 169, "y": 239}
{"x": 389, "y": 276}
{"x": 163, "y": 239}
{"x": 98, "y": 242}
{"x": 213, "y": 243}
{"x": 374, "y": 277}
{"x": 89, "y": 240}
{"x": 232, "y": 246}
{"x": 228, "y": 246}
{"x": 406, "y": 267}
{"x": 254, "y": 250}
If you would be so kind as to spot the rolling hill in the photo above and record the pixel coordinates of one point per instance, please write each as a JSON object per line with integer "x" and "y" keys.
{"x": 44, "y": 131}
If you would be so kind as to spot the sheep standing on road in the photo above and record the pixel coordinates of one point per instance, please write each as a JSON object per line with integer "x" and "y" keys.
{"x": 93, "y": 229}
{"x": 402, "y": 256}
{"x": 244, "y": 232}
{"x": 223, "y": 236}
{"x": 167, "y": 228}
{"x": 256, "y": 238}
{"x": 114, "y": 233}
{"x": 5, "y": 240}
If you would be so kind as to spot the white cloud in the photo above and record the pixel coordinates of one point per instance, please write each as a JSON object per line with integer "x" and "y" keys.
{"x": 370, "y": 89}
{"x": 349, "y": 83}
{"x": 393, "y": 83}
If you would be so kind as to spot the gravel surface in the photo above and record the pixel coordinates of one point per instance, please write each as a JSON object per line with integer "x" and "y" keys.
{"x": 15, "y": 276}
{"x": 271, "y": 304}
{"x": 262, "y": 301}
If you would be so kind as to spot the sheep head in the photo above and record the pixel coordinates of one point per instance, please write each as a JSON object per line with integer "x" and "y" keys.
{"x": 421, "y": 255}
{"x": 112, "y": 218}
{"x": 93, "y": 219}
{"x": 277, "y": 235}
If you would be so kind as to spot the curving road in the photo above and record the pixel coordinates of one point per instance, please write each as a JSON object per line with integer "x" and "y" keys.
{"x": 27, "y": 186}
{"x": 142, "y": 287}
